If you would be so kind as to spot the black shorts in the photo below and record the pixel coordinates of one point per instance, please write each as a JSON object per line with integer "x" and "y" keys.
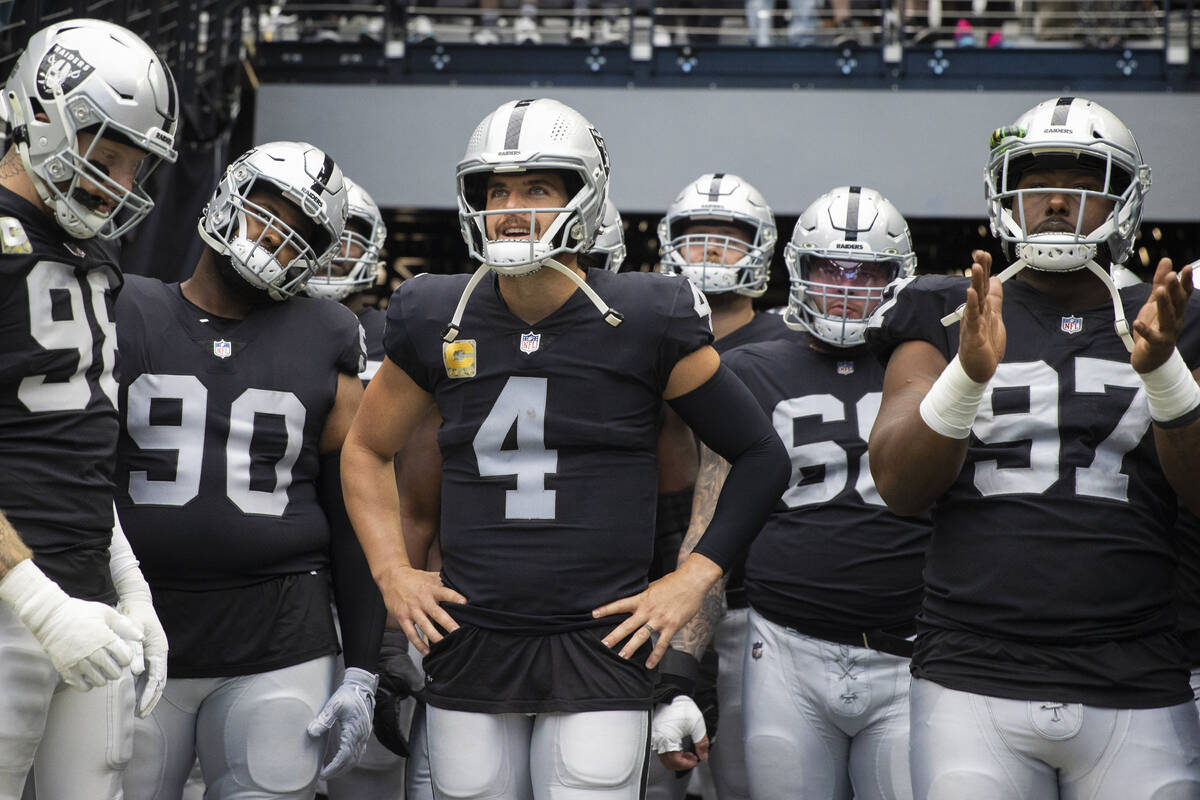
{"x": 493, "y": 672}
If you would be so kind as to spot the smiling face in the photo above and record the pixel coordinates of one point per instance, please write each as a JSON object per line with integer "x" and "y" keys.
{"x": 518, "y": 191}
{"x": 1054, "y": 206}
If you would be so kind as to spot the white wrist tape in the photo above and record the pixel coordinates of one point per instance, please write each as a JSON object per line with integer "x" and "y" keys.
{"x": 25, "y": 585}
{"x": 953, "y": 401}
{"x": 1171, "y": 391}
{"x": 120, "y": 555}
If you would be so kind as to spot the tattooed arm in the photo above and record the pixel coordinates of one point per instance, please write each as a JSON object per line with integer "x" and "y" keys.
{"x": 693, "y": 637}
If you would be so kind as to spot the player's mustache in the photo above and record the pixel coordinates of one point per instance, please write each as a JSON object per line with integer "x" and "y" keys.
{"x": 1054, "y": 225}
{"x": 517, "y": 221}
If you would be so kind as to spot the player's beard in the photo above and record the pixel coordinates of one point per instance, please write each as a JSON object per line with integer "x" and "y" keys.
{"x": 238, "y": 286}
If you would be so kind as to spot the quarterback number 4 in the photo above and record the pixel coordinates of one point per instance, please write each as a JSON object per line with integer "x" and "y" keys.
{"x": 522, "y": 403}
{"x": 1039, "y": 425}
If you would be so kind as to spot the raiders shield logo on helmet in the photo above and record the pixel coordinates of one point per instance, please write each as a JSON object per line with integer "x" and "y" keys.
{"x": 61, "y": 69}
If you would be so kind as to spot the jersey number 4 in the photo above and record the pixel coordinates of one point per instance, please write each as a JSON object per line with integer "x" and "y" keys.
{"x": 522, "y": 403}
{"x": 187, "y": 437}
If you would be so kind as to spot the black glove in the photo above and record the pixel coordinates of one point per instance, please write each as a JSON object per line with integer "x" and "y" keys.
{"x": 399, "y": 679}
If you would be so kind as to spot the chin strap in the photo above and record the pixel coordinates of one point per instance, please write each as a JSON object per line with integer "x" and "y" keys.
{"x": 1121, "y": 324}
{"x": 451, "y": 332}
{"x": 610, "y": 314}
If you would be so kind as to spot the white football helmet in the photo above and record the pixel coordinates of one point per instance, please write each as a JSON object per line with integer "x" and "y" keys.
{"x": 1060, "y": 133}
{"x": 719, "y": 198}
{"x": 610, "y": 241}
{"x": 303, "y": 175}
{"x": 533, "y": 136}
{"x": 849, "y": 235}
{"x": 346, "y": 274}
{"x": 90, "y": 76}
{"x": 524, "y": 136}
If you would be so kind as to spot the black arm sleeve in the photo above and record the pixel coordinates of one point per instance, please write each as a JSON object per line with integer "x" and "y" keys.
{"x": 360, "y": 608}
{"x": 727, "y": 418}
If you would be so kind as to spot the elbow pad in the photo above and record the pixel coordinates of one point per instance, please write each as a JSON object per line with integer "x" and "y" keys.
{"x": 728, "y": 419}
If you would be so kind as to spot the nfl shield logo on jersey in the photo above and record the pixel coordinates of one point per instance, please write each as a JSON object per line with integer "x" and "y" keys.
{"x": 222, "y": 348}
{"x": 845, "y": 368}
{"x": 1072, "y": 325}
{"x": 530, "y": 342}
{"x": 756, "y": 651}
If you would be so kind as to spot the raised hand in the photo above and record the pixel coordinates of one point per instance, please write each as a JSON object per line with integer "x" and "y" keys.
{"x": 982, "y": 337}
{"x": 1160, "y": 320}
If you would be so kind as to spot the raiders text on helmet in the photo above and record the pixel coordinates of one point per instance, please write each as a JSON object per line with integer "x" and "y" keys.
{"x": 304, "y": 176}
{"x": 719, "y": 198}
{"x": 90, "y": 76}
{"x": 854, "y": 233}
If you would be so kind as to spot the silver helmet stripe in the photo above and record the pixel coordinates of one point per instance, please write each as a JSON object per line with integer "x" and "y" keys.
{"x": 512, "y": 136}
{"x": 1061, "y": 109}
{"x": 714, "y": 189}
{"x": 322, "y": 180}
{"x": 852, "y": 213}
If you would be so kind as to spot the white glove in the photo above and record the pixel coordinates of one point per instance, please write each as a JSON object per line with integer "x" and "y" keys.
{"x": 136, "y": 603}
{"x": 673, "y": 722}
{"x": 88, "y": 643}
{"x": 352, "y": 706}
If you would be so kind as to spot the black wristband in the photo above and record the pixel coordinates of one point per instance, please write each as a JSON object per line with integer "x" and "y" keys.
{"x": 678, "y": 673}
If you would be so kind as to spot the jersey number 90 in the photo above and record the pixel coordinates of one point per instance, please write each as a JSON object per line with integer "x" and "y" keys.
{"x": 188, "y": 436}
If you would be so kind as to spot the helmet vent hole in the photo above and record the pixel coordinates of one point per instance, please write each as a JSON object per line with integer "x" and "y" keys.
{"x": 561, "y": 127}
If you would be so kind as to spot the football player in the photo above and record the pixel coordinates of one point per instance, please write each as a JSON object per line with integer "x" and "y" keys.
{"x": 93, "y": 111}
{"x": 419, "y": 482}
{"x": 549, "y": 381}
{"x": 235, "y": 397}
{"x": 718, "y": 231}
{"x": 1046, "y": 433}
{"x": 834, "y": 579}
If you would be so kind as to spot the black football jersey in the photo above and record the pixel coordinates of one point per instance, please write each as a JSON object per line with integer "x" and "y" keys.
{"x": 1050, "y": 570}
{"x": 221, "y": 420}
{"x": 548, "y": 439}
{"x": 831, "y": 556}
{"x": 763, "y": 327}
{"x": 58, "y": 395}
{"x": 372, "y": 321}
